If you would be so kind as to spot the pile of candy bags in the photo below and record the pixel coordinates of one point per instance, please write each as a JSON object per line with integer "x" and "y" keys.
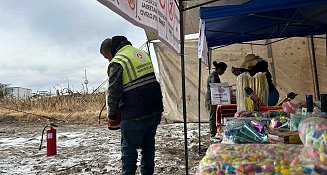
{"x": 270, "y": 159}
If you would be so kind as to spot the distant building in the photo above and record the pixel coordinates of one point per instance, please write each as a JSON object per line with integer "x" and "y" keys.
{"x": 42, "y": 93}
{"x": 20, "y": 93}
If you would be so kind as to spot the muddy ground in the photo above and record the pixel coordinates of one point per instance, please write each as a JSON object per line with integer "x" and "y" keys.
{"x": 93, "y": 149}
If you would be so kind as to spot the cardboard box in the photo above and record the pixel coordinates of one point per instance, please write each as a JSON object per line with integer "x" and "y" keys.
{"x": 287, "y": 137}
{"x": 220, "y": 93}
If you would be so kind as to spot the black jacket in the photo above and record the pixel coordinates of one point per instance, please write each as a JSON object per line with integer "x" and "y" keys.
{"x": 262, "y": 66}
{"x": 134, "y": 103}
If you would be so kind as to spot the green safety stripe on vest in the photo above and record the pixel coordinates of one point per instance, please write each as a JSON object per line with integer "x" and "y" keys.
{"x": 131, "y": 64}
{"x": 126, "y": 68}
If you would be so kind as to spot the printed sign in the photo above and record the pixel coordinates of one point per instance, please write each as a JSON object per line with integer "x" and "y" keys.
{"x": 220, "y": 93}
{"x": 202, "y": 45}
{"x": 159, "y": 16}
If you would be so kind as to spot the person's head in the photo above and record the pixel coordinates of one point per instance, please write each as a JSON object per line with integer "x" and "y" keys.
{"x": 220, "y": 67}
{"x": 105, "y": 48}
{"x": 110, "y": 46}
{"x": 250, "y": 61}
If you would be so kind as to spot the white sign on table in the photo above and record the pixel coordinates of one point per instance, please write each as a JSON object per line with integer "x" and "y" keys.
{"x": 220, "y": 93}
{"x": 159, "y": 16}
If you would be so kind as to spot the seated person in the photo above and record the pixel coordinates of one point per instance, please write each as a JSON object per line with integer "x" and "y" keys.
{"x": 254, "y": 64}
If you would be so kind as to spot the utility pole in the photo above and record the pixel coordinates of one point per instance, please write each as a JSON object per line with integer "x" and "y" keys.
{"x": 67, "y": 82}
{"x": 86, "y": 82}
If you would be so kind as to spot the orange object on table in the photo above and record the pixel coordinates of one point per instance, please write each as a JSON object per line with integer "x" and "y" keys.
{"x": 270, "y": 108}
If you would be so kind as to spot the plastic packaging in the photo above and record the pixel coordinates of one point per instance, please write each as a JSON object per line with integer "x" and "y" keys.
{"x": 289, "y": 108}
{"x": 295, "y": 119}
{"x": 259, "y": 85}
{"x": 245, "y": 131}
{"x": 253, "y": 96}
{"x": 251, "y": 159}
{"x": 313, "y": 134}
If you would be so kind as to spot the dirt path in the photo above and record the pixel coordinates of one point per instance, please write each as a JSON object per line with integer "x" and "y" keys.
{"x": 89, "y": 149}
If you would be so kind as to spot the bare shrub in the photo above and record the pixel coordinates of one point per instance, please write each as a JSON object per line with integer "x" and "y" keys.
{"x": 74, "y": 108}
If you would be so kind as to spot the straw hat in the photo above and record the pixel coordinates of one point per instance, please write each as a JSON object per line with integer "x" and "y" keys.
{"x": 250, "y": 60}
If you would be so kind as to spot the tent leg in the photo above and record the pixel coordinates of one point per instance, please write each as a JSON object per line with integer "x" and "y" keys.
{"x": 209, "y": 62}
{"x": 326, "y": 48}
{"x": 181, "y": 7}
{"x": 199, "y": 106}
{"x": 315, "y": 72}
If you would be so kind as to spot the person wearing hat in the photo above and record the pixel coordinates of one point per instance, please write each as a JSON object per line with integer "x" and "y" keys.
{"x": 254, "y": 64}
{"x": 219, "y": 69}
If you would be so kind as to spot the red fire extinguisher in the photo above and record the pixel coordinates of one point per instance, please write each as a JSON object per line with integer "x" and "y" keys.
{"x": 51, "y": 140}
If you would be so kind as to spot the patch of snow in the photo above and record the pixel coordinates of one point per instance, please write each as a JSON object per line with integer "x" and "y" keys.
{"x": 92, "y": 150}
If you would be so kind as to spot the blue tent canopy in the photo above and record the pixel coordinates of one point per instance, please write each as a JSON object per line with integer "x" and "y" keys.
{"x": 262, "y": 19}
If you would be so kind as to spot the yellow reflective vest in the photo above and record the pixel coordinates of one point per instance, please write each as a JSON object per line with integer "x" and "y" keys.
{"x": 136, "y": 63}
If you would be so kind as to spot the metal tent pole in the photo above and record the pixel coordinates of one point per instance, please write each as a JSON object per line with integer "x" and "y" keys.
{"x": 199, "y": 106}
{"x": 148, "y": 47}
{"x": 326, "y": 48}
{"x": 181, "y": 11}
{"x": 210, "y": 60}
{"x": 315, "y": 69}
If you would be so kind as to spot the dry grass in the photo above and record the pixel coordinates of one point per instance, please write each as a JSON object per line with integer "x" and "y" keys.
{"x": 70, "y": 108}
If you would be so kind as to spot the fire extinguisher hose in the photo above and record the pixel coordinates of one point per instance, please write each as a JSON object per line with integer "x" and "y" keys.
{"x": 99, "y": 118}
{"x": 42, "y": 137}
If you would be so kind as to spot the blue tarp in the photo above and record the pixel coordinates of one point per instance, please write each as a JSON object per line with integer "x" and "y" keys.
{"x": 263, "y": 19}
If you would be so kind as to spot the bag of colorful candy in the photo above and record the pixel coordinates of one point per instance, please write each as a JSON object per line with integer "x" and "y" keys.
{"x": 313, "y": 134}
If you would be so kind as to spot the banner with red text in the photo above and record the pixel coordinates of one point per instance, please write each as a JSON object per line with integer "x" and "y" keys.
{"x": 159, "y": 16}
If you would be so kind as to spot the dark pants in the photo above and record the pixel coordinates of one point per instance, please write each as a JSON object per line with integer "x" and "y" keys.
{"x": 212, "y": 117}
{"x": 139, "y": 133}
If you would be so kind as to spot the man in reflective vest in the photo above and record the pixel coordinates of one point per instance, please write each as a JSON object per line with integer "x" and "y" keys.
{"x": 136, "y": 94}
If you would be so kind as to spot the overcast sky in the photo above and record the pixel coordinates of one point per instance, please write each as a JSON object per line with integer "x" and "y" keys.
{"x": 45, "y": 44}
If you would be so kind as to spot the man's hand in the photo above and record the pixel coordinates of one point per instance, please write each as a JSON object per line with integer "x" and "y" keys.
{"x": 113, "y": 124}
{"x": 238, "y": 71}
